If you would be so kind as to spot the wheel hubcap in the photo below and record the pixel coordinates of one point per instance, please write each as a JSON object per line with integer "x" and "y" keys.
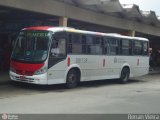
{"x": 124, "y": 75}
{"x": 72, "y": 78}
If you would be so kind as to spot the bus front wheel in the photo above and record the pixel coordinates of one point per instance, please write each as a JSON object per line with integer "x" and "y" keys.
{"x": 72, "y": 79}
{"x": 124, "y": 75}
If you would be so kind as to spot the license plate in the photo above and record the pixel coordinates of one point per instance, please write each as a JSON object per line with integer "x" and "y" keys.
{"x": 22, "y": 77}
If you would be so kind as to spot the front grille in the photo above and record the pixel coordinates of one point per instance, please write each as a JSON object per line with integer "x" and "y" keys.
{"x": 28, "y": 73}
{"x": 25, "y": 79}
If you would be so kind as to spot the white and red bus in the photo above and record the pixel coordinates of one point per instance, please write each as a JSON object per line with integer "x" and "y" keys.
{"x": 54, "y": 55}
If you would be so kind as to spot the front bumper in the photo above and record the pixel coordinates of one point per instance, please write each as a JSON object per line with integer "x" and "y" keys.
{"x": 35, "y": 79}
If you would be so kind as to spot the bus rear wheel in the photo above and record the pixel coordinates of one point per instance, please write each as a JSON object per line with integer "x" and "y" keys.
{"x": 72, "y": 79}
{"x": 124, "y": 75}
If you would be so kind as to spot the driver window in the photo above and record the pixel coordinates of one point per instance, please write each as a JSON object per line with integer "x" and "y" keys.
{"x": 61, "y": 46}
{"x": 58, "y": 47}
{"x": 54, "y": 48}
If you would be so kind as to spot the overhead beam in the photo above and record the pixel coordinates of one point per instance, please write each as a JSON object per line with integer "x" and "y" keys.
{"x": 53, "y": 7}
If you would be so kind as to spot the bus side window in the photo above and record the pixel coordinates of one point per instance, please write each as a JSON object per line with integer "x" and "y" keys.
{"x": 137, "y": 48}
{"x": 130, "y": 47}
{"x": 145, "y": 48}
{"x": 84, "y": 46}
{"x": 113, "y": 46}
{"x": 89, "y": 42}
{"x": 69, "y": 43}
{"x": 124, "y": 47}
{"x": 58, "y": 46}
{"x": 105, "y": 45}
{"x": 74, "y": 43}
{"x": 96, "y": 47}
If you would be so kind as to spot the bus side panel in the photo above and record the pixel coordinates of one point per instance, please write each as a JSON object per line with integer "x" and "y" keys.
{"x": 140, "y": 66}
{"x": 56, "y": 73}
{"x": 96, "y": 67}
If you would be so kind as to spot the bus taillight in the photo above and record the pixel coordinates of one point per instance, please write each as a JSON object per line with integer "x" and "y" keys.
{"x": 68, "y": 61}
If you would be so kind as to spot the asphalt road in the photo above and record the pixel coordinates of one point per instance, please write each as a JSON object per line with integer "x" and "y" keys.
{"x": 140, "y": 95}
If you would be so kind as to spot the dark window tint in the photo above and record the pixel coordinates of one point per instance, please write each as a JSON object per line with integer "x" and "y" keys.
{"x": 145, "y": 48}
{"x": 32, "y": 46}
{"x": 105, "y": 45}
{"x": 130, "y": 47}
{"x": 69, "y": 45}
{"x": 124, "y": 45}
{"x": 96, "y": 47}
{"x": 113, "y": 46}
{"x": 89, "y": 42}
{"x": 137, "y": 48}
{"x": 74, "y": 43}
{"x": 84, "y": 46}
{"x": 58, "y": 46}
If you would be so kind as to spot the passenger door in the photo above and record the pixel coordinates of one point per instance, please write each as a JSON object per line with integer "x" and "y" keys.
{"x": 57, "y": 57}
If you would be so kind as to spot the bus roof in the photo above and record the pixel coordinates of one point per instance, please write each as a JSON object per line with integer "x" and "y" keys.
{"x": 68, "y": 29}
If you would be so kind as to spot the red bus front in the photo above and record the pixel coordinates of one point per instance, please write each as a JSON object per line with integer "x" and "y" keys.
{"x": 29, "y": 58}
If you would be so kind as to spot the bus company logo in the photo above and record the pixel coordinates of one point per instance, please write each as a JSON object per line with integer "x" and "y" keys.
{"x": 4, "y": 116}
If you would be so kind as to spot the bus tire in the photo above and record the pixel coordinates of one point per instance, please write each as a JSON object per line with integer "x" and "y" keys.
{"x": 124, "y": 75}
{"x": 72, "y": 79}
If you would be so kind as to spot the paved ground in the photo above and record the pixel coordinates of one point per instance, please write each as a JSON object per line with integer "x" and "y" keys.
{"x": 140, "y": 95}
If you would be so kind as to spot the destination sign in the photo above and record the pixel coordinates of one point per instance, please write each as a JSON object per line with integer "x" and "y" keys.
{"x": 35, "y": 34}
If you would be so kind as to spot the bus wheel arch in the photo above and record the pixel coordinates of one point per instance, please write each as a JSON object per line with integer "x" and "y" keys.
{"x": 125, "y": 74}
{"x": 73, "y": 77}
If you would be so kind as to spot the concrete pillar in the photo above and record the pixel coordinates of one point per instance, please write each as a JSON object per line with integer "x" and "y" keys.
{"x": 130, "y": 33}
{"x": 63, "y": 21}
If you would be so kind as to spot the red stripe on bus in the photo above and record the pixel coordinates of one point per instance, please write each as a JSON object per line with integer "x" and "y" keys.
{"x": 26, "y": 68}
{"x": 38, "y": 28}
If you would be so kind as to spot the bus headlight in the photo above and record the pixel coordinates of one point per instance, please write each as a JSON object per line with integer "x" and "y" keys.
{"x": 41, "y": 71}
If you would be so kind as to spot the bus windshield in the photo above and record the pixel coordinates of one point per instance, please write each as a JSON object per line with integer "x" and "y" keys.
{"x": 31, "y": 46}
